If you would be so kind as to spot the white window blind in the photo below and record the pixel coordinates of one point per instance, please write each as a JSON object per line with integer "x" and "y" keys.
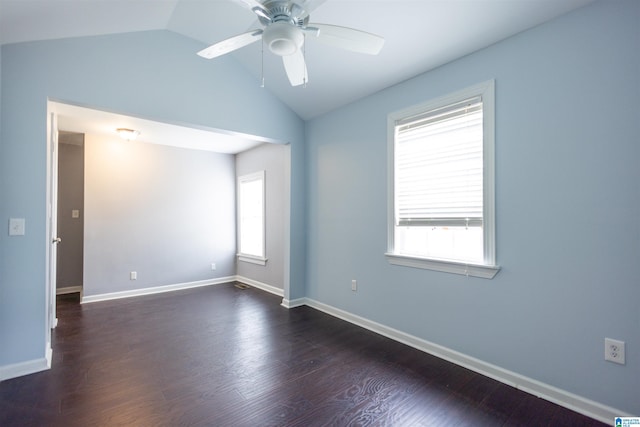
{"x": 441, "y": 184}
{"x": 439, "y": 167}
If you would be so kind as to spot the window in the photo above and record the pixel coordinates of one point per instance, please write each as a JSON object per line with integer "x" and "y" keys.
{"x": 251, "y": 218}
{"x": 441, "y": 184}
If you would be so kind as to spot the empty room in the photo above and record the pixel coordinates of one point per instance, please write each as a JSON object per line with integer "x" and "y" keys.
{"x": 325, "y": 212}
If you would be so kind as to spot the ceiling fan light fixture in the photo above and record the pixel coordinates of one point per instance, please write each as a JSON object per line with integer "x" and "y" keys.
{"x": 282, "y": 38}
{"x": 285, "y": 28}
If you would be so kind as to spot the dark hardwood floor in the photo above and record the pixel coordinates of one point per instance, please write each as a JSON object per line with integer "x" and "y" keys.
{"x": 222, "y": 356}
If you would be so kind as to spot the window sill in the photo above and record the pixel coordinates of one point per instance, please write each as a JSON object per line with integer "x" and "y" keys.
{"x": 252, "y": 259}
{"x": 474, "y": 270}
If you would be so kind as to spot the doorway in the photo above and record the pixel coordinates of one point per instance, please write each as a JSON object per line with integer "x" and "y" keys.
{"x": 89, "y": 124}
{"x": 70, "y": 211}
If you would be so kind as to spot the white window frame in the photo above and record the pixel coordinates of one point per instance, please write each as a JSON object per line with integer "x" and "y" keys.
{"x": 488, "y": 268}
{"x": 259, "y": 259}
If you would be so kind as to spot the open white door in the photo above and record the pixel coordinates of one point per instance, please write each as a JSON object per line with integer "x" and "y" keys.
{"x": 52, "y": 223}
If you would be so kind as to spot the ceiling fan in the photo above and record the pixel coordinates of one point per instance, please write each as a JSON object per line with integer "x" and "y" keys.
{"x": 285, "y": 25}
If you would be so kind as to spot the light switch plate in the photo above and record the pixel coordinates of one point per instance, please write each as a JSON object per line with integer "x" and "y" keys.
{"x": 75, "y": 213}
{"x": 16, "y": 226}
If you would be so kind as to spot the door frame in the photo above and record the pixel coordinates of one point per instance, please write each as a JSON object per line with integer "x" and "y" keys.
{"x": 51, "y": 320}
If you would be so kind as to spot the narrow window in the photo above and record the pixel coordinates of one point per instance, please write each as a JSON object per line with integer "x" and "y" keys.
{"x": 251, "y": 218}
{"x": 441, "y": 184}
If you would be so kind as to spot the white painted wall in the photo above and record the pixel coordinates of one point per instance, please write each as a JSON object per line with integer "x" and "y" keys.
{"x": 271, "y": 158}
{"x": 166, "y": 213}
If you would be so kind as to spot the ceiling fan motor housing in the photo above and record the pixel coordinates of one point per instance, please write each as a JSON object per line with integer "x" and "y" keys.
{"x": 283, "y": 38}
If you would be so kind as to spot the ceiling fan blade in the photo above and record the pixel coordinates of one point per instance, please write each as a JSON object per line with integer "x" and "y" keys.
{"x": 231, "y": 44}
{"x": 296, "y": 68}
{"x": 348, "y": 38}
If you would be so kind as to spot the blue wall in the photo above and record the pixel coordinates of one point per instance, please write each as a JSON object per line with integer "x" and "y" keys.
{"x": 568, "y": 195}
{"x": 567, "y": 209}
{"x": 155, "y": 75}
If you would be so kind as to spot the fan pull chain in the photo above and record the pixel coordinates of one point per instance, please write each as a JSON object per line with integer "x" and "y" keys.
{"x": 304, "y": 56}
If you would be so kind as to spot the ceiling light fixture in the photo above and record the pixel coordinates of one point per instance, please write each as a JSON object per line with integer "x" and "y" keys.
{"x": 128, "y": 134}
{"x": 282, "y": 38}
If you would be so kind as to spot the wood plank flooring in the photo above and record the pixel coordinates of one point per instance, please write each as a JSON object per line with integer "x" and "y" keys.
{"x": 222, "y": 356}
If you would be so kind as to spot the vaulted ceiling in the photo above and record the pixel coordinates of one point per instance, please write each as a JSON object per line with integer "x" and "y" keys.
{"x": 419, "y": 35}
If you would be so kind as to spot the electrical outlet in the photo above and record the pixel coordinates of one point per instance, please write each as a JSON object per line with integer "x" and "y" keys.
{"x": 354, "y": 285}
{"x": 133, "y": 275}
{"x": 213, "y": 266}
{"x": 614, "y": 351}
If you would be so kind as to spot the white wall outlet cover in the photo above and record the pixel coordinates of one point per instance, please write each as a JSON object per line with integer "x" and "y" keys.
{"x": 16, "y": 226}
{"x": 75, "y": 213}
{"x": 614, "y": 351}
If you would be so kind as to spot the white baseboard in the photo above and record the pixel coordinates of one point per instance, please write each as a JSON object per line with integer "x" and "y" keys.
{"x": 25, "y": 368}
{"x": 68, "y": 290}
{"x": 539, "y": 389}
{"x": 154, "y": 290}
{"x": 298, "y": 302}
{"x": 48, "y": 356}
{"x": 268, "y": 288}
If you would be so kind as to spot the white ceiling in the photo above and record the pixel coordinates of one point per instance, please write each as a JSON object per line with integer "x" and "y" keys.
{"x": 419, "y": 35}
{"x": 77, "y": 119}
